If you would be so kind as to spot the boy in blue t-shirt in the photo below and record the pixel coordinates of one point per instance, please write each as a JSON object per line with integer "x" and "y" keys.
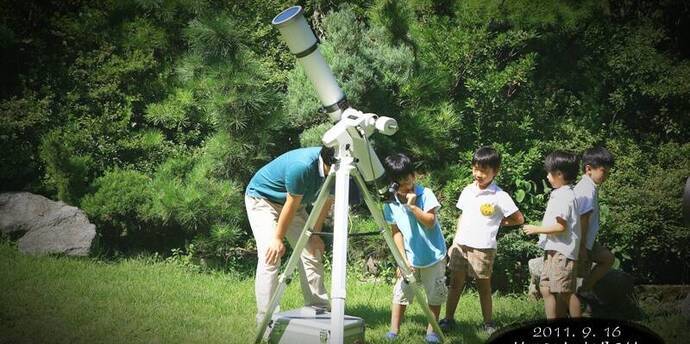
{"x": 417, "y": 234}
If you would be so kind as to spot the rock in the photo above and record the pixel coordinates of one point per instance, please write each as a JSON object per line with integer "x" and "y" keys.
{"x": 685, "y": 307}
{"x": 50, "y": 227}
{"x": 372, "y": 265}
{"x": 535, "y": 266}
{"x": 616, "y": 294}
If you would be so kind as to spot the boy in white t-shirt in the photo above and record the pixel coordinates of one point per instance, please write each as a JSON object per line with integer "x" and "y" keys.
{"x": 485, "y": 208}
{"x": 559, "y": 236}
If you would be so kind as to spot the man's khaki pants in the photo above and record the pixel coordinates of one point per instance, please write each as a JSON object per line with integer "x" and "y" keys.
{"x": 263, "y": 218}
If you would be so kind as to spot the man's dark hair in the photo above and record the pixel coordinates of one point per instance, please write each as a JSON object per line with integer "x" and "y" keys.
{"x": 398, "y": 166}
{"x": 564, "y": 162}
{"x": 328, "y": 155}
{"x": 596, "y": 157}
{"x": 487, "y": 156}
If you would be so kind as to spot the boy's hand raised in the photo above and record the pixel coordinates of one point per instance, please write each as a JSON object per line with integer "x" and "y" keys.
{"x": 411, "y": 199}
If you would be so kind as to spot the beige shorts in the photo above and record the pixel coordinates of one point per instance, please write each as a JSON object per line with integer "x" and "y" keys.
{"x": 558, "y": 273}
{"x": 595, "y": 255}
{"x": 433, "y": 278}
{"x": 479, "y": 263}
{"x": 475, "y": 262}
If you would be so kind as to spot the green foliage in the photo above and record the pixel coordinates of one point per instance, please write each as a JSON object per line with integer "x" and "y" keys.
{"x": 312, "y": 136}
{"x": 116, "y": 206}
{"x": 68, "y": 172}
{"x": 24, "y": 121}
{"x": 153, "y": 115}
{"x": 642, "y": 212}
{"x": 511, "y": 271}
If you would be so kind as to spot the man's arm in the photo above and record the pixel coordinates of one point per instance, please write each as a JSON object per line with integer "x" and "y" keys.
{"x": 316, "y": 243}
{"x": 555, "y": 228}
{"x": 276, "y": 248}
{"x": 324, "y": 212}
{"x": 514, "y": 219}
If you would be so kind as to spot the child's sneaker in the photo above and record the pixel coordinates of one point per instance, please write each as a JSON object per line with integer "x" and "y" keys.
{"x": 489, "y": 327}
{"x": 588, "y": 296}
{"x": 432, "y": 338}
{"x": 391, "y": 336}
{"x": 446, "y": 324}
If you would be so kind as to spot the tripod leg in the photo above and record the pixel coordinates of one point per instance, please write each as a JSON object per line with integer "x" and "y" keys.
{"x": 286, "y": 277}
{"x": 338, "y": 280}
{"x": 377, "y": 213}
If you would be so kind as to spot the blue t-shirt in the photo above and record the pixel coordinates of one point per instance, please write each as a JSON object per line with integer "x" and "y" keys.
{"x": 424, "y": 246}
{"x": 296, "y": 172}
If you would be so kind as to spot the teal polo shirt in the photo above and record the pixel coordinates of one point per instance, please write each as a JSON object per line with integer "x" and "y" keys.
{"x": 295, "y": 172}
{"x": 424, "y": 246}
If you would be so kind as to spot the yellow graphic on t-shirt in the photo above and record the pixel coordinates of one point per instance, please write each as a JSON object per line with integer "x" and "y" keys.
{"x": 487, "y": 209}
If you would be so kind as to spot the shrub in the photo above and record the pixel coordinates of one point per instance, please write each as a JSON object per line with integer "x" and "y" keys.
{"x": 641, "y": 212}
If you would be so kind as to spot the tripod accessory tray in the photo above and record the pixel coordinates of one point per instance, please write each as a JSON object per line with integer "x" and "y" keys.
{"x": 310, "y": 326}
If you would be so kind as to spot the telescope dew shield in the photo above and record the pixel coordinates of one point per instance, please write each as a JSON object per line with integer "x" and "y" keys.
{"x": 303, "y": 44}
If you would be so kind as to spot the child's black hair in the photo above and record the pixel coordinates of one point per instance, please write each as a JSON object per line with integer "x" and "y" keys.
{"x": 596, "y": 157}
{"x": 565, "y": 162}
{"x": 398, "y": 166}
{"x": 327, "y": 155}
{"x": 487, "y": 156}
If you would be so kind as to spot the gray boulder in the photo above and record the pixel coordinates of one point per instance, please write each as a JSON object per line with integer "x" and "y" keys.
{"x": 48, "y": 227}
{"x": 535, "y": 266}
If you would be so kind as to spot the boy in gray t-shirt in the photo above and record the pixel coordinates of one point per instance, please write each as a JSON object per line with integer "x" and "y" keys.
{"x": 596, "y": 164}
{"x": 559, "y": 236}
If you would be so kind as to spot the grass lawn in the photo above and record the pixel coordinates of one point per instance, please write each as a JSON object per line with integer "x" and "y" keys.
{"x": 67, "y": 300}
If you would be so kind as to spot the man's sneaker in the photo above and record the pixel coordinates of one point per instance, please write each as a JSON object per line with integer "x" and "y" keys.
{"x": 446, "y": 324}
{"x": 391, "y": 336}
{"x": 432, "y": 338}
{"x": 490, "y": 327}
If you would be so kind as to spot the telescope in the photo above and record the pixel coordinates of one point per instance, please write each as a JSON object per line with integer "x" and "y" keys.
{"x": 356, "y": 159}
{"x": 352, "y": 126}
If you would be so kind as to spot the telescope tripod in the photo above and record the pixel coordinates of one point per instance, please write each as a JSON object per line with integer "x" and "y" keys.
{"x": 343, "y": 169}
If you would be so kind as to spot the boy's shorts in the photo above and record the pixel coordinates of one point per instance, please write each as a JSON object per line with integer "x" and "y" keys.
{"x": 479, "y": 262}
{"x": 433, "y": 278}
{"x": 558, "y": 273}
{"x": 595, "y": 255}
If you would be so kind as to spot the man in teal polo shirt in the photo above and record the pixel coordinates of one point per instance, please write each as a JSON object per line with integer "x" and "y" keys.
{"x": 276, "y": 198}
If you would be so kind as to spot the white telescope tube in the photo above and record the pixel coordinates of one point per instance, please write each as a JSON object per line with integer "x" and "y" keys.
{"x": 302, "y": 42}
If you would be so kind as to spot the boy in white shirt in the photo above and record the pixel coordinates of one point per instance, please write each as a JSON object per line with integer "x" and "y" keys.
{"x": 596, "y": 164}
{"x": 559, "y": 236}
{"x": 485, "y": 207}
